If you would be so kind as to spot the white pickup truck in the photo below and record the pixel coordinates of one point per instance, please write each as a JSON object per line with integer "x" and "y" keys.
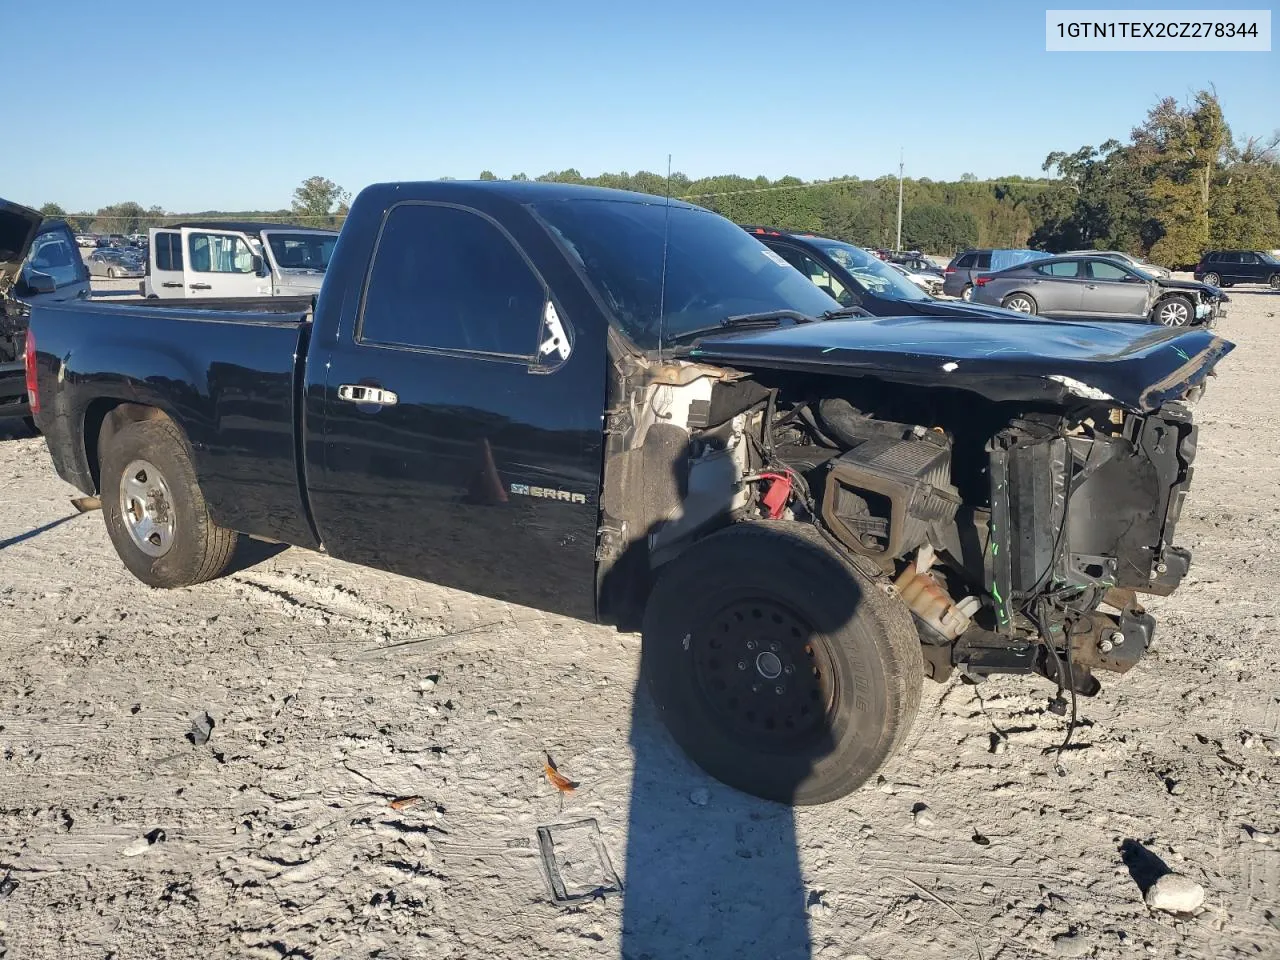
{"x": 224, "y": 259}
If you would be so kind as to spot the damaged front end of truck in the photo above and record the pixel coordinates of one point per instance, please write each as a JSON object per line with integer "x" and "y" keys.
{"x": 1017, "y": 486}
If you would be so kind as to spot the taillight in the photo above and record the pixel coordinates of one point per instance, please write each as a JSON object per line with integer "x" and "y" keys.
{"x": 981, "y": 281}
{"x": 29, "y": 367}
{"x": 949, "y": 270}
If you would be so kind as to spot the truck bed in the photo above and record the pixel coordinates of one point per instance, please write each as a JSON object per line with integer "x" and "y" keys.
{"x": 230, "y": 376}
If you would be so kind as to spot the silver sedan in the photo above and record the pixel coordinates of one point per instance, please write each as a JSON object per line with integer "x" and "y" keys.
{"x": 111, "y": 263}
{"x": 1097, "y": 288}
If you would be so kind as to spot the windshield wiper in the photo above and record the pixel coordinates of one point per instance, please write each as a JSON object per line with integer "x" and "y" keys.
{"x": 845, "y": 312}
{"x": 765, "y": 318}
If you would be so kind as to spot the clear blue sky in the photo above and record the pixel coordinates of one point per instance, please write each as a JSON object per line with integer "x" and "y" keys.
{"x": 230, "y": 106}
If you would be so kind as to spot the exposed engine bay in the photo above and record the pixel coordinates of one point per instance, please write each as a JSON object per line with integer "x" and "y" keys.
{"x": 1019, "y": 534}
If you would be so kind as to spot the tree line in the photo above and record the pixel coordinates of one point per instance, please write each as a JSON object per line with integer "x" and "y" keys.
{"x": 1180, "y": 183}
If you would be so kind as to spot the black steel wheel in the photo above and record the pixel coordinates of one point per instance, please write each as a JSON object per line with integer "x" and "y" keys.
{"x": 779, "y": 667}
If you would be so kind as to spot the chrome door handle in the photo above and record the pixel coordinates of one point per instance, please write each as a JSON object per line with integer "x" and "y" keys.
{"x": 359, "y": 393}
{"x": 201, "y": 286}
{"x": 1091, "y": 286}
{"x": 170, "y": 284}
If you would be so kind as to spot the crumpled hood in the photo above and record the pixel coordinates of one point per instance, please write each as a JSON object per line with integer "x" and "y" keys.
{"x": 18, "y": 226}
{"x": 1210, "y": 291}
{"x": 1135, "y": 366}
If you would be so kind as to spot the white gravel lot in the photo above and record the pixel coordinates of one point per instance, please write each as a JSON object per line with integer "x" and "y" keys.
{"x": 334, "y": 690}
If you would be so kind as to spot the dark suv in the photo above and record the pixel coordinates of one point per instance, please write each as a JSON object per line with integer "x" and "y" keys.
{"x": 1225, "y": 268}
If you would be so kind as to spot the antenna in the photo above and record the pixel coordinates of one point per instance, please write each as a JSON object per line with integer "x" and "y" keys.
{"x": 898, "y": 248}
{"x": 662, "y": 285}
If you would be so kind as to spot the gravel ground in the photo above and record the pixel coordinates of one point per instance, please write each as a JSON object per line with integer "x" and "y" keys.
{"x": 372, "y": 784}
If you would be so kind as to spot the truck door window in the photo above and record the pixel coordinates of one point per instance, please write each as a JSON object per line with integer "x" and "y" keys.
{"x": 448, "y": 279}
{"x": 168, "y": 251}
{"x": 220, "y": 253}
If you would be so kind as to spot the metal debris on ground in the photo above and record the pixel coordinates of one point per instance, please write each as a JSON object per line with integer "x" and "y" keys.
{"x": 576, "y": 862}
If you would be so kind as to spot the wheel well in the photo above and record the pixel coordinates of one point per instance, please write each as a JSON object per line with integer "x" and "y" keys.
{"x": 116, "y": 413}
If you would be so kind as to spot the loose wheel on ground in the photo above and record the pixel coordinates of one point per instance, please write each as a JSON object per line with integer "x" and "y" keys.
{"x": 778, "y": 667}
{"x": 154, "y": 510}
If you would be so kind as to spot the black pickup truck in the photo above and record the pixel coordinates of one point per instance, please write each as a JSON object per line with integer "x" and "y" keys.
{"x": 617, "y": 408}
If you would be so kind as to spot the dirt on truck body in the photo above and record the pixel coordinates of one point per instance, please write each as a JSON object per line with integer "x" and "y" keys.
{"x": 604, "y": 404}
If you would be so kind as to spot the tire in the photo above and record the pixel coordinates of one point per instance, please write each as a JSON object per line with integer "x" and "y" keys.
{"x": 1212, "y": 279}
{"x": 779, "y": 593}
{"x": 111, "y": 273}
{"x": 1274, "y": 281}
{"x": 1174, "y": 312}
{"x": 967, "y": 292}
{"x": 187, "y": 547}
{"x": 1026, "y": 303}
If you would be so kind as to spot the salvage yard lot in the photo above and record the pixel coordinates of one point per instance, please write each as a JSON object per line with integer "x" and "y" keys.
{"x": 335, "y": 691}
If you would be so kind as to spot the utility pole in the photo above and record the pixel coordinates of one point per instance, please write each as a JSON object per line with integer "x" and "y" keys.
{"x": 899, "y": 245}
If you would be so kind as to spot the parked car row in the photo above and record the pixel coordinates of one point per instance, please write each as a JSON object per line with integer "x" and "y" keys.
{"x": 91, "y": 240}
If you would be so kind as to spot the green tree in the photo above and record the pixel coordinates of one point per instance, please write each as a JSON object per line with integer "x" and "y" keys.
{"x": 1180, "y": 148}
{"x": 488, "y": 175}
{"x": 315, "y": 199}
{"x": 123, "y": 218}
{"x": 52, "y": 210}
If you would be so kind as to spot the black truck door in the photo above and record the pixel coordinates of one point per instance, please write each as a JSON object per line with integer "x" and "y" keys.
{"x": 462, "y": 426}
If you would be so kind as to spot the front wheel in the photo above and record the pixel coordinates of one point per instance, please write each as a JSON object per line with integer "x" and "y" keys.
{"x": 778, "y": 667}
{"x": 1021, "y": 302}
{"x": 1212, "y": 279}
{"x": 155, "y": 513}
{"x": 1174, "y": 312}
{"x": 1274, "y": 281}
{"x": 111, "y": 273}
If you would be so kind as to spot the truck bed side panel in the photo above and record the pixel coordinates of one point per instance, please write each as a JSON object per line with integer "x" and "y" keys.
{"x": 227, "y": 381}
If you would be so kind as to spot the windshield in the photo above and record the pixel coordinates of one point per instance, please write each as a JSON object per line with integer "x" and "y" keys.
{"x": 1268, "y": 257}
{"x": 871, "y": 272}
{"x": 305, "y": 251}
{"x": 715, "y": 270}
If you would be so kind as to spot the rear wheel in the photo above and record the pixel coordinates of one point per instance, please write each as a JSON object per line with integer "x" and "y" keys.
{"x": 967, "y": 292}
{"x": 1021, "y": 302}
{"x": 1174, "y": 312}
{"x": 155, "y": 513}
{"x": 779, "y": 668}
{"x": 111, "y": 273}
{"x": 1212, "y": 279}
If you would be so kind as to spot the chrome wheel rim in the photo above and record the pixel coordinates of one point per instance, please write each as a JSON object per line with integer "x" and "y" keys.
{"x": 1275, "y": 281}
{"x": 146, "y": 506}
{"x": 966, "y": 293}
{"x": 1212, "y": 279}
{"x": 1020, "y": 304}
{"x": 1174, "y": 314}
